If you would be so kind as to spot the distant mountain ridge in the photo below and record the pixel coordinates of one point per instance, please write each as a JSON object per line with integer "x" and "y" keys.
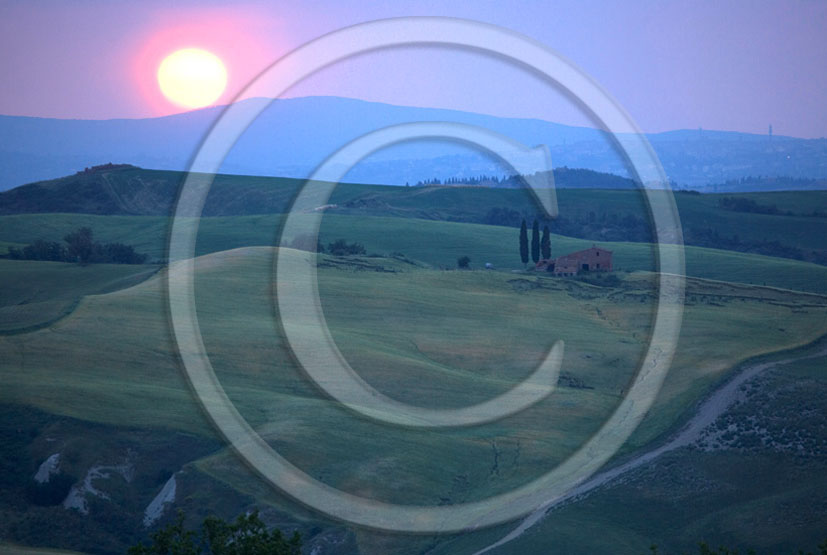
{"x": 293, "y": 136}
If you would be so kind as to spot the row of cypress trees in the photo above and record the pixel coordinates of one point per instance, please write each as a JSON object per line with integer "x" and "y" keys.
{"x": 538, "y": 245}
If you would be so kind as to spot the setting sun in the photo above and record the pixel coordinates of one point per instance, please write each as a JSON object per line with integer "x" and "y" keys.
{"x": 192, "y": 78}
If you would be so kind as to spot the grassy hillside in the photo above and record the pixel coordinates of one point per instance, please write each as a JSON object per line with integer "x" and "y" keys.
{"x": 434, "y": 242}
{"x": 146, "y": 234}
{"x": 744, "y": 492}
{"x": 129, "y": 190}
{"x": 37, "y": 293}
{"x": 419, "y": 334}
{"x": 141, "y": 306}
{"x": 595, "y": 214}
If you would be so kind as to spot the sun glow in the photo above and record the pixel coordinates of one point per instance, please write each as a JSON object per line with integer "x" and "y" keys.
{"x": 192, "y": 78}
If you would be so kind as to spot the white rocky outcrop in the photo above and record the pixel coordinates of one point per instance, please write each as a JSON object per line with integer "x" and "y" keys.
{"x": 155, "y": 509}
{"x": 79, "y": 492}
{"x": 47, "y": 469}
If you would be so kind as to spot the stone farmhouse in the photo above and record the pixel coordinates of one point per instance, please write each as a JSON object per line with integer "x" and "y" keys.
{"x": 593, "y": 259}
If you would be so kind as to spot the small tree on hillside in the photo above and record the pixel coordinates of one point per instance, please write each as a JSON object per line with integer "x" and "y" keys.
{"x": 81, "y": 245}
{"x": 535, "y": 242}
{"x": 545, "y": 243}
{"x": 524, "y": 243}
{"x": 463, "y": 262}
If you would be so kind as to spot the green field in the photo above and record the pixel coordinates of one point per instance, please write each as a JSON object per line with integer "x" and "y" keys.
{"x": 89, "y": 366}
{"x": 479, "y": 296}
{"x": 434, "y": 242}
{"x": 416, "y": 332}
{"x": 598, "y": 214}
{"x": 764, "y": 497}
{"x": 36, "y": 294}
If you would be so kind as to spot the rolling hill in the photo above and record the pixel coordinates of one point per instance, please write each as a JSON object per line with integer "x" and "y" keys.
{"x": 128, "y": 190}
{"x": 102, "y": 388}
{"x": 38, "y": 294}
{"x": 795, "y": 230}
{"x": 90, "y": 370}
{"x": 434, "y": 242}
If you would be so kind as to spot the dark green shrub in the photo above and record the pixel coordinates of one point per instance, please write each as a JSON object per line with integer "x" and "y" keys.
{"x": 340, "y": 247}
{"x": 246, "y": 536}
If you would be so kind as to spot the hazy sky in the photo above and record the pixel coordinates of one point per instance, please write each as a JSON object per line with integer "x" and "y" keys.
{"x": 736, "y": 65}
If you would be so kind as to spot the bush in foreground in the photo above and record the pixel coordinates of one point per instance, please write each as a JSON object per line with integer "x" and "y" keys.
{"x": 246, "y": 536}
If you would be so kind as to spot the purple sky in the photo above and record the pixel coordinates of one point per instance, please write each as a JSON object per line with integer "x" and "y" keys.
{"x": 734, "y": 65}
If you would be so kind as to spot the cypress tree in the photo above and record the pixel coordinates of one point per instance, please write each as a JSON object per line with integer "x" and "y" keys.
{"x": 545, "y": 243}
{"x": 535, "y": 242}
{"x": 524, "y": 243}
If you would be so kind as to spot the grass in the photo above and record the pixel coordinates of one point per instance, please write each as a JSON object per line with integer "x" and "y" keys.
{"x": 434, "y": 242}
{"x": 94, "y": 344}
{"x": 414, "y": 331}
{"x": 152, "y": 192}
{"x": 146, "y": 234}
{"x": 35, "y": 294}
{"x": 419, "y": 334}
{"x": 762, "y": 497}
{"x": 696, "y": 211}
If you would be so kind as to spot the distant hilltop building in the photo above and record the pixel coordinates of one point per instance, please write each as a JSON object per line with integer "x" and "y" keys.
{"x": 105, "y": 167}
{"x": 593, "y": 259}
